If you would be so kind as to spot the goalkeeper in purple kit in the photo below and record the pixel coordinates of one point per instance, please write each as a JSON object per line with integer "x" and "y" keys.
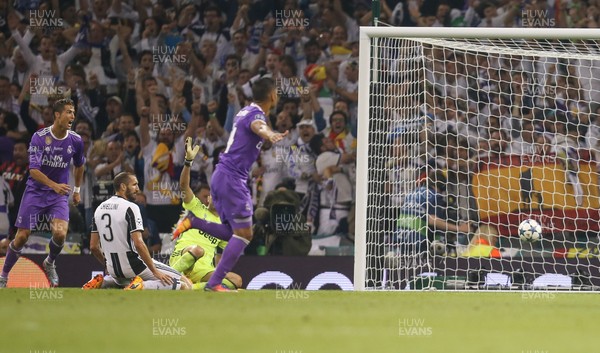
{"x": 229, "y": 189}
{"x": 46, "y": 196}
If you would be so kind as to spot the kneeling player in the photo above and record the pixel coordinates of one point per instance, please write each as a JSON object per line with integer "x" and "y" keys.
{"x": 195, "y": 250}
{"x": 116, "y": 241}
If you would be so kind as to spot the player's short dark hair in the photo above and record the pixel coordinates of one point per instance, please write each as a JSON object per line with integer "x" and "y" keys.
{"x": 202, "y": 186}
{"x": 78, "y": 70}
{"x": 212, "y": 7}
{"x": 262, "y": 88}
{"x": 85, "y": 122}
{"x": 122, "y": 178}
{"x": 291, "y": 62}
{"x": 315, "y": 143}
{"x": 11, "y": 120}
{"x": 235, "y": 57}
{"x": 23, "y": 141}
{"x": 311, "y": 43}
{"x": 131, "y": 133}
{"x": 142, "y": 54}
{"x": 338, "y": 112}
{"x": 59, "y": 105}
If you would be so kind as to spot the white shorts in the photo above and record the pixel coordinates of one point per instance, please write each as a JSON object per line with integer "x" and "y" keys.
{"x": 146, "y": 275}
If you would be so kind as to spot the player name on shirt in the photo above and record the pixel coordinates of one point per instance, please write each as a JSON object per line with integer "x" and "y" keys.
{"x": 108, "y": 206}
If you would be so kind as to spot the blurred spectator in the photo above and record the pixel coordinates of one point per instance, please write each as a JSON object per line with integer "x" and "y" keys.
{"x": 114, "y": 110}
{"x": 108, "y": 58}
{"x": 241, "y": 50}
{"x": 213, "y": 29}
{"x": 524, "y": 144}
{"x": 567, "y": 146}
{"x": 8, "y": 103}
{"x": 339, "y": 132}
{"x": 6, "y": 201}
{"x": 336, "y": 195}
{"x": 151, "y": 234}
{"x": 402, "y": 168}
{"x": 491, "y": 17}
{"x": 133, "y": 155}
{"x": 114, "y": 164}
{"x": 15, "y": 68}
{"x": 301, "y": 159}
{"x": 85, "y": 129}
{"x": 105, "y": 172}
{"x": 15, "y": 172}
{"x": 311, "y": 108}
{"x": 347, "y": 90}
{"x": 9, "y": 126}
{"x": 117, "y": 130}
{"x": 161, "y": 155}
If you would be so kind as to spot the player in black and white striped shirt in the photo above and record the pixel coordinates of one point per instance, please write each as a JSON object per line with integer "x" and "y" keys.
{"x": 117, "y": 241}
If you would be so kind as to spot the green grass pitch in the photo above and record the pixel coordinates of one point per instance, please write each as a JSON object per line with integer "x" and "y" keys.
{"x": 279, "y": 321}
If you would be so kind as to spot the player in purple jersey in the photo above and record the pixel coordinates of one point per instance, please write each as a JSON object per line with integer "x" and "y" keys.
{"x": 46, "y": 196}
{"x": 229, "y": 183}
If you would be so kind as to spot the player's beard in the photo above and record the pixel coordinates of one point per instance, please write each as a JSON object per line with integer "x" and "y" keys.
{"x": 130, "y": 194}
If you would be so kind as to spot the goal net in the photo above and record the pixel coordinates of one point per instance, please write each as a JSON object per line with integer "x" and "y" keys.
{"x": 465, "y": 133}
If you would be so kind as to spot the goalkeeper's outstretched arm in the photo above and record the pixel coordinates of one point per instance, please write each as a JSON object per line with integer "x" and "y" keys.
{"x": 184, "y": 179}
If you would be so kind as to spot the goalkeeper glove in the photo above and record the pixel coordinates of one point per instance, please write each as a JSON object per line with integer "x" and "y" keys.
{"x": 190, "y": 151}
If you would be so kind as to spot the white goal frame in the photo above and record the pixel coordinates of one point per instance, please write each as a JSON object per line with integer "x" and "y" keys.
{"x": 364, "y": 92}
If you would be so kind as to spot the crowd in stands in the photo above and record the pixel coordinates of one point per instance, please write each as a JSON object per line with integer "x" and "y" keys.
{"x": 478, "y": 107}
{"x": 144, "y": 75}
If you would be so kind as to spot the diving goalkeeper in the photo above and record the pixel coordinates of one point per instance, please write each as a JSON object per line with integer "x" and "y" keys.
{"x": 195, "y": 251}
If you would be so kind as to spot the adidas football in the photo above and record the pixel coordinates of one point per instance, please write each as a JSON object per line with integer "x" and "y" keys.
{"x": 530, "y": 231}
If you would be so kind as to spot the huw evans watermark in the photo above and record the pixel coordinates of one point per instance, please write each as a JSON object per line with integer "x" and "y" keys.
{"x": 290, "y": 223}
{"x": 291, "y": 155}
{"x": 537, "y": 19}
{"x": 167, "y": 54}
{"x": 414, "y": 327}
{"x": 291, "y": 87}
{"x": 293, "y": 292}
{"x": 38, "y": 292}
{"x": 173, "y": 122}
{"x": 167, "y": 327}
{"x": 47, "y": 86}
{"x": 45, "y": 19}
{"x": 535, "y": 295}
{"x": 291, "y": 19}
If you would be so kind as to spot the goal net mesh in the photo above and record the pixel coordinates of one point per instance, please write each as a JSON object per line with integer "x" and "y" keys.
{"x": 466, "y": 139}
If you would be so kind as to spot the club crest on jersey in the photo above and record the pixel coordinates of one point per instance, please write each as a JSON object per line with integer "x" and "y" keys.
{"x": 259, "y": 145}
{"x": 48, "y": 140}
{"x": 69, "y": 149}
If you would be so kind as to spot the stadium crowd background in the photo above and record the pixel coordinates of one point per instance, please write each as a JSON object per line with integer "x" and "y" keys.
{"x": 146, "y": 74}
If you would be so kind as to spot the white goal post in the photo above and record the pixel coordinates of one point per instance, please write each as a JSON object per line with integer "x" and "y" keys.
{"x": 497, "y": 113}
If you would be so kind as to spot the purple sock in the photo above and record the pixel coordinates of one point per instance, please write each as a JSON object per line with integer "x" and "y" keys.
{"x": 217, "y": 230}
{"x": 55, "y": 249}
{"x": 231, "y": 254}
{"x": 12, "y": 255}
